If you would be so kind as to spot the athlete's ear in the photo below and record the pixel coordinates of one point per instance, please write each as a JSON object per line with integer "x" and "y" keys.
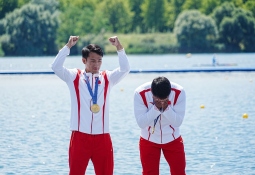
{"x": 84, "y": 60}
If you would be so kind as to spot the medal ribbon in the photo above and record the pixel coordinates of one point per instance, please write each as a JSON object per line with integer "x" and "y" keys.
{"x": 156, "y": 119}
{"x": 94, "y": 96}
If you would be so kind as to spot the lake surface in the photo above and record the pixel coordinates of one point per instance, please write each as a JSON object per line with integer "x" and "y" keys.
{"x": 175, "y": 61}
{"x": 35, "y": 111}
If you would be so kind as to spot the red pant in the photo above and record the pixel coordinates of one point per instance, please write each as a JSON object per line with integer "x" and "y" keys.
{"x": 84, "y": 147}
{"x": 173, "y": 152}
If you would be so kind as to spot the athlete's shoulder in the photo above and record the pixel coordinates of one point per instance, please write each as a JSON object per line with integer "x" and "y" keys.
{"x": 103, "y": 72}
{"x": 142, "y": 87}
{"x": 176, "y": 86}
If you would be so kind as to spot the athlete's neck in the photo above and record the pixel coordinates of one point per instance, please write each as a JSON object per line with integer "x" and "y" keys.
{"x": 88, "y": 71}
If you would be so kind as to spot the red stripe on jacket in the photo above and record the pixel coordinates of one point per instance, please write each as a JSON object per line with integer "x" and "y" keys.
{"x": 105, "y": 93}
{"x": 177, "y": 93}
{"x": 77, "y": 91}
{"x": 173, "y": 131}
{"x": 142, "y": 93}
{"x": 149, "y": 132}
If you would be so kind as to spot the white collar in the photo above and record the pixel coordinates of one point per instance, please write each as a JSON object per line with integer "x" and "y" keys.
{"x": 89, "y": 74}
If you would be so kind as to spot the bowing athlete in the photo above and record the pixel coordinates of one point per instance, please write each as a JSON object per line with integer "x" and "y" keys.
{"x": 159, "y": 108}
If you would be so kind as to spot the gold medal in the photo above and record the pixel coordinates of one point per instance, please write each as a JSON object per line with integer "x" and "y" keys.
{"x": 153, "y": 129}
{"x": 95, "y": 108}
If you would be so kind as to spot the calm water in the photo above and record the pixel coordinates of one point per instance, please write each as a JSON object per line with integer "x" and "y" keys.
{"x": 35, "y": 110}
{"x": 136, "y": 61}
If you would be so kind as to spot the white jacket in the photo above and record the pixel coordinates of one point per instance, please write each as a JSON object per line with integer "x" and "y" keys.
{"x": 167, "y": 126}
{"x": 82, "y": 119}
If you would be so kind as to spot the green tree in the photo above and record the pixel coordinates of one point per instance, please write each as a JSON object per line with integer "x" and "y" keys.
{"x": 208, "y": 6}
{"x": 250, "y": 5}
{"x": 2, "y": 27}
{"x": 7, "y": 6}
{"x": 177, "y": 7}
{"x": 116, "y": 16}
{"x": 154, "y": 15}
{"x": 173, "y": 9}
{"x": 76, "y": 18}
{"x": 29, "y": 31}
{"x": 49, "y": 5}
{"x": 236, "y": 27}
{"x": 22, "y": 2}
{"x": 195, "y": 32}
{"x": 192, "y": 4}
{"x": 238, "y": 32}
{"x": 101, "y": 22}
{"x": 225, "y": 10}
{"x": 137, "y": 18}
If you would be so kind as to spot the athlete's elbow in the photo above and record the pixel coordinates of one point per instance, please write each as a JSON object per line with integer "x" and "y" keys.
{"x": 56, "y": 68}
{"x": 53, "y": 67}
{"x": 125, "y": 69}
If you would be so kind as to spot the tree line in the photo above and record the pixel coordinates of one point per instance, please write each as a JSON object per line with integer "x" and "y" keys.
{"x": 39, "y": 27}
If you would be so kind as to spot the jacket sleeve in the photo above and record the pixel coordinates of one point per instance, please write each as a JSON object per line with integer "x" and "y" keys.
{"x": 175, "y": 114}
{"x": 144, "y": 116}
{"x": 58, "y": 65}
{"x": 119, "y": 73}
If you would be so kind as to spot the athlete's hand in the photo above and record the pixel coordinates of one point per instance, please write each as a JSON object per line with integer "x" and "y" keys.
{"x": 160, "y": 104}
{"x": 72, "y": 41}
{"x": 115, "y": 41}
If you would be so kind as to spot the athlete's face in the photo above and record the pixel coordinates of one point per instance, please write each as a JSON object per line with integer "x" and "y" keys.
{"x": 160, "y": 103}
{"x": 92, "y": 63}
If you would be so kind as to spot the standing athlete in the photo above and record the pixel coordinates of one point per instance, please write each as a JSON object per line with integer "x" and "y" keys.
{"x": 89, "y": 91}
{"x": 159, "y": 108}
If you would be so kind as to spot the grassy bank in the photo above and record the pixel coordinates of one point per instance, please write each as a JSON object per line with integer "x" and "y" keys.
{"x": 153, "y": 43}
{"x": 149, "y": 43}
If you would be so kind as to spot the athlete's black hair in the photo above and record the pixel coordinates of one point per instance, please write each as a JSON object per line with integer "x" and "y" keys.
{"x": 92, "y": 48}
{"x": 161, "y": 87}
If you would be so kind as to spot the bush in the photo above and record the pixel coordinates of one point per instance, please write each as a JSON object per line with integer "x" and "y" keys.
{"x": 30, "y": 30}
{"x": 195, "y": 32}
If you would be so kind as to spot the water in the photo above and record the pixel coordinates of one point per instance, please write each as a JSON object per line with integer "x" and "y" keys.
{"x": 35, "y": 110}
{"x": 136, "y": 61}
